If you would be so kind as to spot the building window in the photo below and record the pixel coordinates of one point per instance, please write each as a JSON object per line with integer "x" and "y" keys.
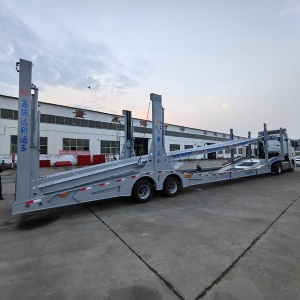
{"x": 220, "y": 152}
{"x": 68, "y": 121}
{"x": 50, "y": 119}
{"x": 234, "y": 151}
{"x": 142, "y": 129}
{"x": 16, "y": 114}
{"x": 112, "y": 126}
{"x": 110, "y": 147}
{"x": 84, "y": 123}
{"x": 104, "y": 125}
{"x": 76, "y": 122}
{"x": 174, "y": 147}
{"x": 188, "y": 146}
{"x": 92, "y": 124}
{"x": 240, "y": 150}
{"x": 43, "y": 118}
{"x": 43, "y": 145}
{"x": 7, "y": 113}
{"x": 60, "y": 120}
{"x": 76, "y": 144}
{"x": 13, "y": 144}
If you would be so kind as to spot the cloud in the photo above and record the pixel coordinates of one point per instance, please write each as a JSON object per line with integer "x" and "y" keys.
{"x": 293, "y": 7}
{"x": 66, "y": 62}
{"x": 216, "y": 103}
{"x": 224, "y": 105}
{"x": 10, "y": 89}
{"x": 142, "y": 114}
{"x": 6, "y": 52}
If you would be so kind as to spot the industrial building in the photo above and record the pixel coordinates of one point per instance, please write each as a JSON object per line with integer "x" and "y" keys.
{"x": 69, "y": 130}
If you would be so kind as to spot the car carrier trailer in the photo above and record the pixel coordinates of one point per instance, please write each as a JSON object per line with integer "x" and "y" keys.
{"x": 132, "y": 176}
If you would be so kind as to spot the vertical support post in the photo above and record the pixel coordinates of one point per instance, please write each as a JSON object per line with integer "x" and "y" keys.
{"x": 281, "y": 143}
{"x": 287, "y": 145}
{"x": 128, "y": 150}
{"x": 157, "y": 157}
{"x": 249, "y": 146}
{"x": 24, "y": 132}
{"x": 163, "y": 126}
{"x": 38, "y": 141}
{"x": 266, "y": 143}
{"x": 38, "y": 133}
{"x": 231, "y": 151}
{"x": 157, "y": 137}
{"x": 34, "y": 144}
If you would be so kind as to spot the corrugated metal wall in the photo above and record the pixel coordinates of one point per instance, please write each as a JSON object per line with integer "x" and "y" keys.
{"x": 56, "y": 132}
{"x": 7, "y": 128}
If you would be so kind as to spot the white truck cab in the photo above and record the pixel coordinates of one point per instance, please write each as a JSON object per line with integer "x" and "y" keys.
{"x": 274, "y": 146}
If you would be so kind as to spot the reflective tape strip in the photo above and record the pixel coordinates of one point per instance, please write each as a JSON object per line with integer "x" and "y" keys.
{"x": 104, "y": 183}
{"x": 121, "y": 179}
{"x": 33, "y": 201}
{"x": 85, "y": 188}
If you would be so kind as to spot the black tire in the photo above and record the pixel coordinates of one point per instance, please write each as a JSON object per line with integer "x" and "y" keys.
{"x": 292, "y": 166}
{"x": 142, "y": 191}
{"x": 278, "y": 170}
{"x": 171, "y": 187}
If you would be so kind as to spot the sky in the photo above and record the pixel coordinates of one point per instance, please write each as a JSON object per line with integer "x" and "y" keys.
{"x": 217, "y": 64}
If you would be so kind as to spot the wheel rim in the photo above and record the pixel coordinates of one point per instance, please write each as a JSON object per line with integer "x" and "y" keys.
{"x": 172, "y": 187}
{"x": 144, "y": 192}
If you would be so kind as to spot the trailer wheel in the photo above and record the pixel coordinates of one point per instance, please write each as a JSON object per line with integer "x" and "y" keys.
{"x": 171, "y": 187}
{"x": 142, "y": 191}
{"x": 278, "y": 169}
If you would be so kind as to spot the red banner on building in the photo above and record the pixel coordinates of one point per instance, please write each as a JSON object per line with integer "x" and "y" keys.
{"x": 74, "y": 152}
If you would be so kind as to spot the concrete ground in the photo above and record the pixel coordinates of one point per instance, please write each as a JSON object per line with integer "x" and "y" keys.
{"x": 228, "y": 240}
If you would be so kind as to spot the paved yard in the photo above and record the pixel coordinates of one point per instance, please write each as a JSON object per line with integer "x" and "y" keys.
{"x": 228, "y": 240}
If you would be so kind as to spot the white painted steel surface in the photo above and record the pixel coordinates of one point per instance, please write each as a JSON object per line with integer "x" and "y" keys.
{"x": 118, "y": 178}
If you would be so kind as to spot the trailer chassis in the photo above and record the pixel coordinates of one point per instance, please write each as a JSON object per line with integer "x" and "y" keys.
{"x": 132, "y": 176}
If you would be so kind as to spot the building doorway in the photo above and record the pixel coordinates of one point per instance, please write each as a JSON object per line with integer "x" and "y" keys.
{"x": 212, "y": 155}
{"x": 140, "y": 146}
